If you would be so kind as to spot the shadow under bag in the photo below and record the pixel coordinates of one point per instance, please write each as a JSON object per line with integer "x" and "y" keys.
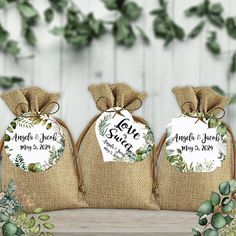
{"x": 56, "y": 188}
{"x": 186, "y": 190}
{"x": 114, "y": 184}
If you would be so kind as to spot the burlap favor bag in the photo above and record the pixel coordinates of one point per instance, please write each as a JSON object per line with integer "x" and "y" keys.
{"x": 186, "y": 190}
{"x": 114, "y": 184}
{"x": 56, "y": 188}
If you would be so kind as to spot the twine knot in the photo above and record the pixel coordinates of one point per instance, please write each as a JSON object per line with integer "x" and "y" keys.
{"x": 201, "y": 115}
{"x": 35, "y": 113}
{"x": 117, "y": 110}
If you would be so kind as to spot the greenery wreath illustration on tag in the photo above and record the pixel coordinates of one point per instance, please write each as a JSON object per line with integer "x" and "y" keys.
{"x": 117, "y": 136}
{"x": 34, "y": 142}
{"x": 178, "y": 153}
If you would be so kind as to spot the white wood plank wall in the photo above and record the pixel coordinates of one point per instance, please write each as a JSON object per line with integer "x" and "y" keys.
{"x": 154, "y": 69}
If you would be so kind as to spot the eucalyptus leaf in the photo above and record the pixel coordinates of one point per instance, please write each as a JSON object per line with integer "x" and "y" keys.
{"x": 198, "y": 10}
{"x": 49, "y": 126}
{"x": 211, "y": 232}
{"x": 27, "y": 10}
{"x": 123, "y": 32}
{"x": 59, "y": 31}
{"x": 197, "y": 30}
{"x": 111, "y": 4}
{"x": 12, "y": 47}
{"x": 3, "y": 35}
{"x": 212, "y": 44}
{"x": 233, "y": 63}
{"x": 215, "y": 198}
{"x": 202, "y": 221}
{"x": 59, "y": 5}
{"x": 195, "y": 232}
{"x": 31, "y": 222}
{"x": 9, "y": 129}
{"x": 218, "y": 221}
{"x": 224, "y": 188}
{"x": 96, "y": 26}
{"x": 231, "y": 26}
{"x": 228, "y": 207}
{"x": 48, "y": 226}
{"x": 216, "y": 8}
{"x": 48, "y": 15}
{"x": 131, "y": 10}
{"x": 205, "y": 208}
{"x": 44, "y": 217}
{"x": 221, "y": 129}
{"x": 35, "y": 229}
{"x": 216, "y": 20}
{"x": 179, "y": 31}
{"x": 29, "y": 35}
{"x": 9, "y": 229}
{"x": 38, "y": 210}
{"x": 212, "y": 122}
{"x": 169, "y": 141}
{"x": 6, "y": 138}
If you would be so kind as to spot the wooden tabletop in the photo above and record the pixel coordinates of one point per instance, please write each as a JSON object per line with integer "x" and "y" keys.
{"x": 113, "y": 222}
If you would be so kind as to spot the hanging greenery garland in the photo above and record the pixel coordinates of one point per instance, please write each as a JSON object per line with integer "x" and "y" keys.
{"x": 80, "y": 29}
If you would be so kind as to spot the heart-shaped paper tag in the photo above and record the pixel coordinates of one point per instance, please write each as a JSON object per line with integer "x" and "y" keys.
{"x": 34, "y": 142}
{"x": 196, "y": 145}
{"x": 121, "y": 139}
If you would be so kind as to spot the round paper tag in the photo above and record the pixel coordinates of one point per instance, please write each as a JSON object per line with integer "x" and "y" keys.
{"x": 196, "y": 145}
{"x": 121, "y": 138}
{"x": 34, "y": 142}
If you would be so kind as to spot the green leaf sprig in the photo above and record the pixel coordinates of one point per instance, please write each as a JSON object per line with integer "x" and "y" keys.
{"x": 212, "y": 43}
{"x": 212, "y": 12}
{"x": 7, "y": 82}
{"x": 15, "y": 221}
{"x": 22, "y": 224}
{"x": 217, "y": 212}
{"x": 29, "y": 17}
{"x": 8, "y": 45}
{"x": 164, "y": 26}
{"x": 80, "y": 29}
{"x": 122, "y": 28}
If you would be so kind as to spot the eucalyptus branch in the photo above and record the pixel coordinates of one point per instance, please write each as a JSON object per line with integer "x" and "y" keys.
{"x": 216, "y": 214}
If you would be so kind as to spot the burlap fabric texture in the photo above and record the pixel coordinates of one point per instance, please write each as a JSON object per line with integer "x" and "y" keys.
{"x": 114, "y": 184}
{"x": 56, "y": 188}
{"x": 185, "y": 191}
